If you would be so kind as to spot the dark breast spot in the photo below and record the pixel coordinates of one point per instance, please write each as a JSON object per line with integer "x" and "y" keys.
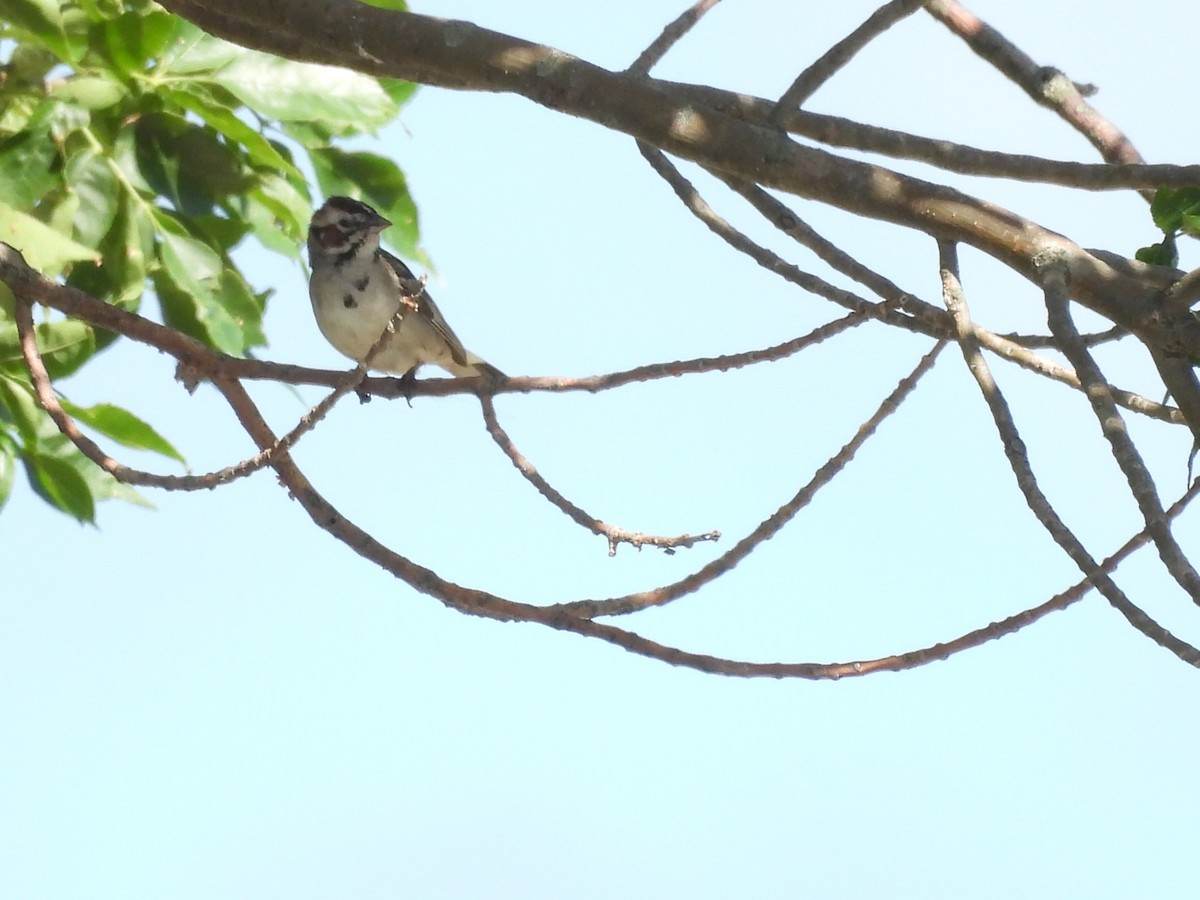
{"x": 361, "y": 284}
{"x": 349, "y": 302}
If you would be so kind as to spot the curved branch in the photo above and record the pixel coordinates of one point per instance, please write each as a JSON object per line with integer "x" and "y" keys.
{"x": 461, "y": 55}
{"x": 769, "y": 527}
{"x": 837, "y": 56}
{"x": 1124, "y": 451}
{"x": 1045, "y": 85}
{"x": 1018, "y": 459}
{"x": 613, "y": 534}
{"x": 924, "y": 320}
{"x": 670, "y": 35}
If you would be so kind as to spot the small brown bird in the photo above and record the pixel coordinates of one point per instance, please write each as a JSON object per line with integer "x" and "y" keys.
{"x": 356, "y": 288}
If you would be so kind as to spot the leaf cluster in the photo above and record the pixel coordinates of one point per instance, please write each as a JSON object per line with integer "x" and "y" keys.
{"x": 1175, "y": 213}
{"x": 136, "y": 152}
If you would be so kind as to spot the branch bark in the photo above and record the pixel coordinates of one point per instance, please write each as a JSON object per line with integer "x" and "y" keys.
{"x": 460, "y": 55}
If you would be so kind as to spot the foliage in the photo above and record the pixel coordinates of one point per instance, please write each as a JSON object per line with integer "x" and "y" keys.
{"x": 137, "y": 151}
{"x": 1175, "y": 212}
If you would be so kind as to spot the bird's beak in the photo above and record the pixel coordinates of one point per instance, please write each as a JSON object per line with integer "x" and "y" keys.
{"x": 378, "y": 223}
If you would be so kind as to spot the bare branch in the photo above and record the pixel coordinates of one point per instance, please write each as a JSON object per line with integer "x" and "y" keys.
{"x": 1014, "y": 352}
{"x": 1018, "y": 458}
{"x": 695, "y": 204}
{"x": 769, "y": 527}
{"x": 837, "y": 56}
{"x": 670, "y": 36}
{"x": 967, "y": 160}
{"x": 933, "y": 319}
{"x": 1124, "y": 451}
{"x": 1045, "y": 85}
{"x": 954, "y": 157}
{"x": 611, "y": 533}
{"x": 462, "y": 55}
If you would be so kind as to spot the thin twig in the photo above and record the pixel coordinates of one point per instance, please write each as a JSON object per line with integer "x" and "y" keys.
{"x": 44, "y": 393}
{"x": 786, "y": 220}
{"x": 670, "y": 35}
{"x": 1040, "y": 365}
{"x": 1018, "y": 459}
{"x": 842, "y": 52}
{"x": 611, "y": 533}
{"x": 769, "y": 527}
{"x": 696, "y": 205}
{"x": 838, "y": 131}
{"x": 1124, "y": 450}
{"x": 1045, "y": 85}
{"x": 934, "y": 319}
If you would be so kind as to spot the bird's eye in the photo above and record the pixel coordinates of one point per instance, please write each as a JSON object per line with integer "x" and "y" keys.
{"x": 331, "y": 236}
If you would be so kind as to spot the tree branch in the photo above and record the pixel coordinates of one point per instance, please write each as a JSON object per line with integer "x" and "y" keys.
{"x": 1044, "y": 84}
{"x": 1018, "y": 459}
{"x": 837, "y": 56}
{"x": 770, "y": 526}
{"x": 461, "y": 55}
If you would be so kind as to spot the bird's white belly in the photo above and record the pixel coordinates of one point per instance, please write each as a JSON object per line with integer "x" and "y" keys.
{"x": 353, "y": 320}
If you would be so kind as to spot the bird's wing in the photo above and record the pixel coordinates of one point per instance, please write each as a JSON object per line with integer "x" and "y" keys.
{"x": 428, "y": 310}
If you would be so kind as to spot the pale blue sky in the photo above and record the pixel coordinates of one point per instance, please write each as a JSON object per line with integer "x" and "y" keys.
{"x": 215, "y": 699}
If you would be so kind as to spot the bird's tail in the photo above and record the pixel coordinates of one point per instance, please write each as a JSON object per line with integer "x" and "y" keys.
{"x": 474, "y": 368}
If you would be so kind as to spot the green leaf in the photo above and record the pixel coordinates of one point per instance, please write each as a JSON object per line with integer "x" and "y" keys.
{"x": 18, "y": 407}
{"x": 134, "y": 38}
{"x": 195, "y": 98}
{"x": 206, "y": 322}
{"x": 1163, "y": 253}
{"x": 191, "y": 51}
{"x": 278, "y": 213}
{"x": 219, "y": 232}
{"x": 16, "y": 111}
{"x": 61, "y": 485}
{"x": 293, "y": 91}
{"x": 244, "y": 306}
{"x": 44, "y": 249}
{"x": 1169, "y": 207}
{"x": 191, "y": 298}
{"x": 121, "y": 277}
{"x": 90, "y": 91}
{"x": 8, "y": 466}
{"x": 137, "y": 240}
{"x": 60, "y": 120}
{"x": 43, "y": 21}
{"x": 191, "y": 262}
{"x": 64, "y": 346}
{"x": 188, "y": 163}
{"x": 123, "y": 427}
{"x": 28, "y": 66}
{"x": 125, "y": 155}
{"x": 27, "y": 162}
{"x": 91, "y": 178}
{"x": 400, "y": 91}
{"x": 100, "y": 483}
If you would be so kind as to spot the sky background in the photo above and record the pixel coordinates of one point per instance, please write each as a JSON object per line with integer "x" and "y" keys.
{"x": 215, "y": 699}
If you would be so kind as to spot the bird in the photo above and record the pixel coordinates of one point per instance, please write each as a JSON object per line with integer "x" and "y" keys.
{"x": 356, "y": 288}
